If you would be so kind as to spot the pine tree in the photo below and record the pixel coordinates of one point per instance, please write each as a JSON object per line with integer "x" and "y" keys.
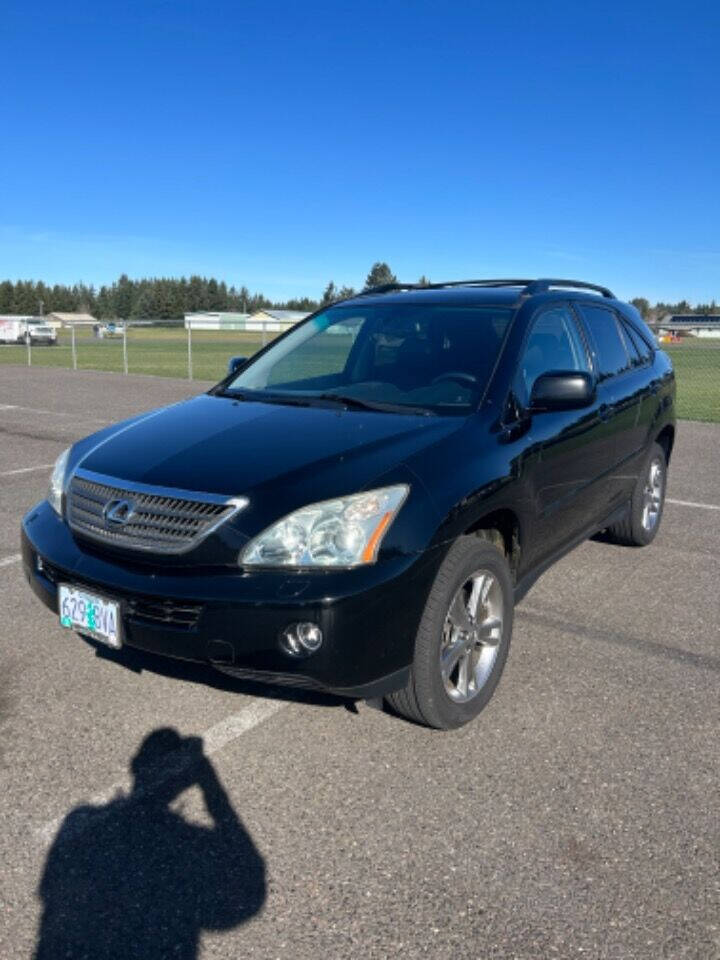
{"x": 380, "y": 274}
{"x": 330, "y": 294}
{"x": 7, "y": 297}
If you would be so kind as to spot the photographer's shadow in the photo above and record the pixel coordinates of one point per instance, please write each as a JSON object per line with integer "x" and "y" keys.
{"x": 134, "y": 879}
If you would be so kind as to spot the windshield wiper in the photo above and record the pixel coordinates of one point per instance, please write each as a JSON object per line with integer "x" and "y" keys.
{"x": 357, "y": 404}
{"x": 309, "y": 400}
{"x": 230, "y": 394}
{"x": 258, "y": 397}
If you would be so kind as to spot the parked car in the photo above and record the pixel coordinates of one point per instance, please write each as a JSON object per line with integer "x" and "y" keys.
{"x": 109, "y": 329}
{"x": 359, "y": 506}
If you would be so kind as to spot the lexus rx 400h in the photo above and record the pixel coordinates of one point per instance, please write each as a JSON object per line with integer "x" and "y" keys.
{"x": 358, "y": 507}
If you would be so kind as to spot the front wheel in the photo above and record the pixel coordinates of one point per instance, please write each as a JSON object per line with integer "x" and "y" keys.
{"x": 463, "y": 640}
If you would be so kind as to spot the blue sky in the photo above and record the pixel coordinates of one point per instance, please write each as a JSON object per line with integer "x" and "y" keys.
{"x": 284, "y": 144}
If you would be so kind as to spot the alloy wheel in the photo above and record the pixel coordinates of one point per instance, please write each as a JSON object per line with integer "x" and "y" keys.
{"x": 652, "y": 495}
{"x": 472, "y": 632}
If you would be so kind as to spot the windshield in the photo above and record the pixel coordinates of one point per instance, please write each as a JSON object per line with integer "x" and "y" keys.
{"x": 437, "y": 357}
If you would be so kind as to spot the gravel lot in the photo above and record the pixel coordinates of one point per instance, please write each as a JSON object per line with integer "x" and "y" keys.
{"x": 577, "y": 817}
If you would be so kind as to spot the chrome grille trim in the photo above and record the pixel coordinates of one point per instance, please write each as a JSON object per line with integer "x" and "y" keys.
{"x": 164, "y": 519}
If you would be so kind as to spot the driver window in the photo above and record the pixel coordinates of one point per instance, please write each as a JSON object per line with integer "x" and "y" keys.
{"x": 554, "y": 343}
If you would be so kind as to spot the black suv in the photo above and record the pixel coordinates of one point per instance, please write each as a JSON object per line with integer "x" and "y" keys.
{"x": 358, "y": 507}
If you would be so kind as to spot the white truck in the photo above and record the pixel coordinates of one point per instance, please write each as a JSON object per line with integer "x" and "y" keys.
{"x": 17, "y": 329}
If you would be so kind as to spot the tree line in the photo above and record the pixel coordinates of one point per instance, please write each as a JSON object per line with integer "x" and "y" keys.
{"x": 169, "y": 298}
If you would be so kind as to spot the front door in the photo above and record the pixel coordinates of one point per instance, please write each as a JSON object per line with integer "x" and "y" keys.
{"x": 570, "y": 452}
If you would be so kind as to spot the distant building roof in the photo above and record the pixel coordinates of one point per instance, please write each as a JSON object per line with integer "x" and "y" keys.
{"x": 216, "y": 315}
{"x": 289, "y": 316}
{"x": 71, "y": 318}
{"x": 692, "y": 318}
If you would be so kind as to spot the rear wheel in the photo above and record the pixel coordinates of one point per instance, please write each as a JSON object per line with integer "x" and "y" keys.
{"x": 463, "y": 640}
{"x": 642, "y": 523}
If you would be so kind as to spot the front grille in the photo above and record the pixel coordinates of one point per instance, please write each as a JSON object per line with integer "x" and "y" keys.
{"x": 149, "y": 519}
{"x": 141, "y": 609}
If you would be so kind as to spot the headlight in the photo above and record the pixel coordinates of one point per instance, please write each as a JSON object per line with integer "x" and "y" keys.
{"x": 57, "y": 482}
{"x": 345, "y": 532}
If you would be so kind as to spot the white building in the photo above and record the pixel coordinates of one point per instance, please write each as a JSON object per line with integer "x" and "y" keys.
{"x": 216, "y": 320}
{"x": 276, "y": 320}
{"x": 58, "y": 319}
{"x": 262, "y": 320}
{"x": 704, "y": 326}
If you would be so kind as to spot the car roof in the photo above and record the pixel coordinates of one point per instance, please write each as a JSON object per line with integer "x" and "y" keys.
{"x": 455, "y": 295}
{"x": 488, "y": 292}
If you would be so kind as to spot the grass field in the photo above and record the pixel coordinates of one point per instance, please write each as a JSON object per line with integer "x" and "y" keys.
{"x": 697, "y": 368}
{"x": 164, "y": 352}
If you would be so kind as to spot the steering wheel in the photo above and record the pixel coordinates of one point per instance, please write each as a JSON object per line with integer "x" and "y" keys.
{"x": 457, "y": 375}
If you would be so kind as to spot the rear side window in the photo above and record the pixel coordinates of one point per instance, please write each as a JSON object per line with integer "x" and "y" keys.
{"x": 641, "y": 347}
{"x": 610, "y": 354}
{"x": 630, "y": 346}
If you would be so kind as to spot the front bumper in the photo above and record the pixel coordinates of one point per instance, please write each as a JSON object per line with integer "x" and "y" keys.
{"x": 233, "y": 619}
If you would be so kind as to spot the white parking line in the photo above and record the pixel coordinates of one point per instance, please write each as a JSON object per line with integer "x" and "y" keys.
{"x": 49, "y": 413}
{"x": 691, "y": 503}
{"x": 15, "y": 473}
{"x": 7, "y": 561}
{"x": 214, "y": 739}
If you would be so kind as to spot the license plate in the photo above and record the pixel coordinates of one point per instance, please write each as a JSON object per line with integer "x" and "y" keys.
{"x": 90, "y": 614}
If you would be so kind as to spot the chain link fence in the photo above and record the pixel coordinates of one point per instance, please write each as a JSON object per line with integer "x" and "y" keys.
{"x": 694, "y": 348}
{"x": 203, "y": 354}
{"x": 161, "y": 350}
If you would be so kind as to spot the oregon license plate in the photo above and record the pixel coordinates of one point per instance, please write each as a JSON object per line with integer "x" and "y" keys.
{"x": 90, "y": 614}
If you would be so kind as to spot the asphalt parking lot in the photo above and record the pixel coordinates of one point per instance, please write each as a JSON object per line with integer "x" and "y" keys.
{"x": 578, "y": 817}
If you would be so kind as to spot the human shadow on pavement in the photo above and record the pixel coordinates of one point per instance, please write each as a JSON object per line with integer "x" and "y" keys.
{"x": 133, "y": 879}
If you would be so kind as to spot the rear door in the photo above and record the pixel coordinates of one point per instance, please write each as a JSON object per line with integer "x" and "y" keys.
{"x": 622, "y": 387}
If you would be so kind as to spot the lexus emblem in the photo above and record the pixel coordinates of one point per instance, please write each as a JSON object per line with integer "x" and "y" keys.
{"x": 118, "y": 512}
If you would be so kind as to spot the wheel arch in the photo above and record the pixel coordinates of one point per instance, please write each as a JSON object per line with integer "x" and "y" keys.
{"x": 502, "y": 527}
{"x": 666, "y": 439}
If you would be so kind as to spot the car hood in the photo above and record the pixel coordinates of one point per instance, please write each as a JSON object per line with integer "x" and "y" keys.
{"x": 223, "y": 446}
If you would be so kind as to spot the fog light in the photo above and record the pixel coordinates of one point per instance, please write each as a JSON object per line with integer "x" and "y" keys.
{"x": 39, "y": 565}
{"x": 301, "y": 639}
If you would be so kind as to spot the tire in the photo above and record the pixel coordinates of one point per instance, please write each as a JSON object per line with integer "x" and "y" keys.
{"x": 472, "y": 567}
{"x": 640, "y": 526}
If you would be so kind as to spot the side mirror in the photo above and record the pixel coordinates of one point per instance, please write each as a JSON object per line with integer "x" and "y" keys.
{"x": 235, "y": 363}
{"x": 562, "y": 390}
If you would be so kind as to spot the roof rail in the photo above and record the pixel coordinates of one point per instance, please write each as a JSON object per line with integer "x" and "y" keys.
{"x": 386, "y": 288}
{"x": 530, "y": 287}
{"x": 544, "y": 285}
{"x": 389, "y": 287}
